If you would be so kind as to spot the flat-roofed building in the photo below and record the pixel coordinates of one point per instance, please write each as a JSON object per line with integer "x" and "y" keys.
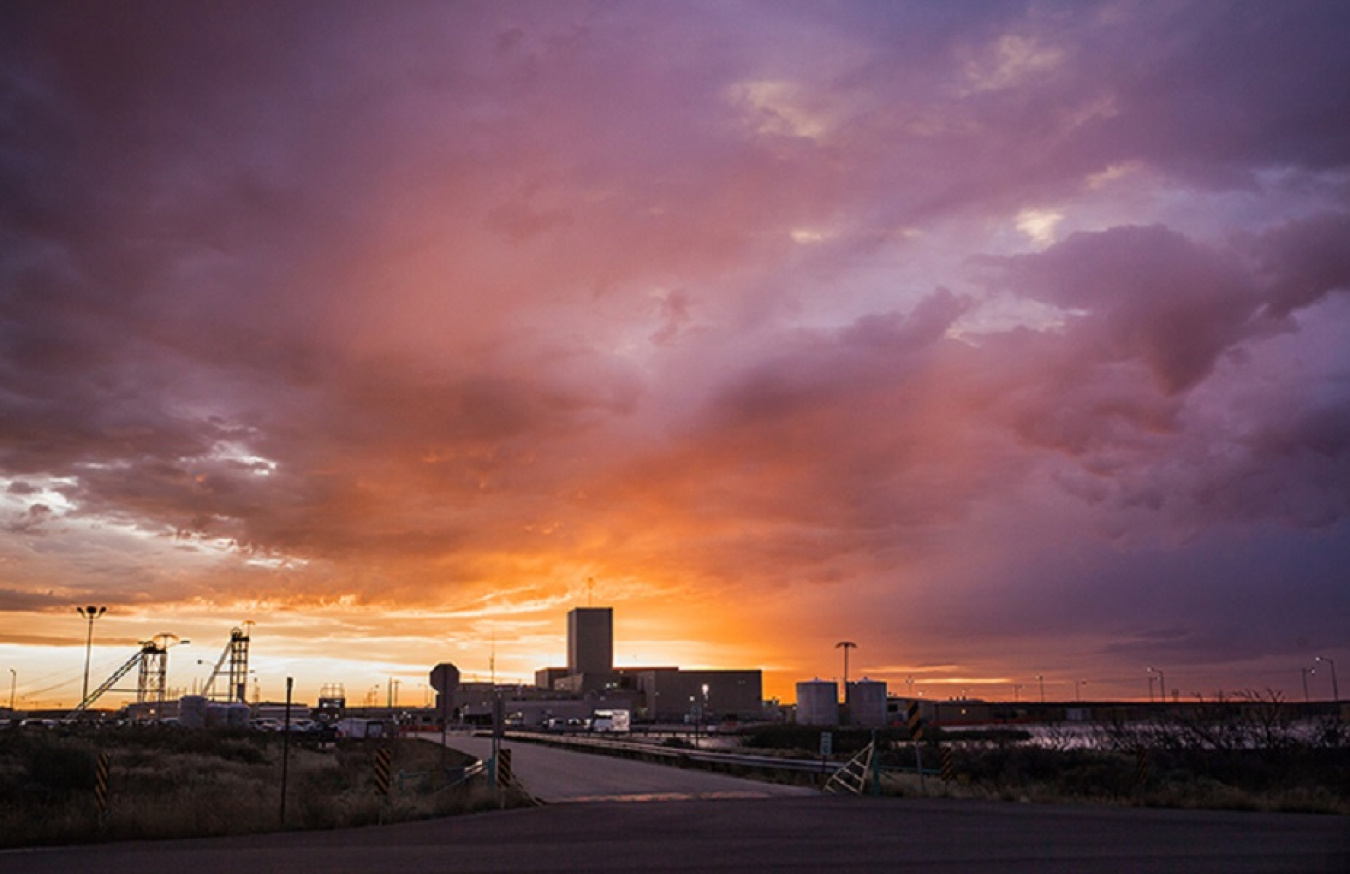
{"x": 672, "y": 694}
{"x": 547, "y": 678}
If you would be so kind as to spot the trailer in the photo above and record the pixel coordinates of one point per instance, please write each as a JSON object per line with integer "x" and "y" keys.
{"x": 612, "y": 721}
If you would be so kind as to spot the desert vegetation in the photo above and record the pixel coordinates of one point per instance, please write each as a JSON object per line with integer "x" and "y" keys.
{"x": 169, "y": 782}
{"x": 1250, "y": 751}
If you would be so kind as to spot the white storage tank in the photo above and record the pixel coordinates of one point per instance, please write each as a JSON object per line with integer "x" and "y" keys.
{"x": 818, "y": 702}
{"x": 867, "y": 703}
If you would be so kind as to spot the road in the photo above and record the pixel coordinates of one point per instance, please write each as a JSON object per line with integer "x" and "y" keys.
{"x": 554, "y": 775}
{"x": 818, "y": 833}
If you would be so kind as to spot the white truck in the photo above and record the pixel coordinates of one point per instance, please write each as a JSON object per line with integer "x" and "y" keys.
{"x": 611, "y": 721}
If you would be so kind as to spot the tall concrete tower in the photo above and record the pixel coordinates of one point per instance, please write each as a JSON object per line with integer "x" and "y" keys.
{"x": 590, "y": 640}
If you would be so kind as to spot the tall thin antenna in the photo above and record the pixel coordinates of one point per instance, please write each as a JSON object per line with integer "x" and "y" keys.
{"x": 590, "y": 588}
{"x": 492, "y": 659}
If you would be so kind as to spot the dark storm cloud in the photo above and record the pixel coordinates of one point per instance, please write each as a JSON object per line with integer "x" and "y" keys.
{"x": 1225, "y": 88}
{"x": 1146, "y": 294}
{"x": 1304, "y": 260}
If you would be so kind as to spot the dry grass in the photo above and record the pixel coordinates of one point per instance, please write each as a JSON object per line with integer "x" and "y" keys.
{"x": 1054, "y": 777}
{"x": 172, "y": 783}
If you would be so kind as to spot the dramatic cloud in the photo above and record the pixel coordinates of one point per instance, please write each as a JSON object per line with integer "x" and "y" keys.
{"x": 1004, "y": 339}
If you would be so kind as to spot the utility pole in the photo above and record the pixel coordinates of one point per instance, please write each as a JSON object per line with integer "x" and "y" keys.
{"x": 1335, "y": 689}
{"x": 285, "y": 751}
{"x": 846, "y": 645}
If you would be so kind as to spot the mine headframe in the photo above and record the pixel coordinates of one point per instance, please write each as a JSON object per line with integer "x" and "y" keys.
{"x": 233, "y": 663}
{"x": 152, "y": 680}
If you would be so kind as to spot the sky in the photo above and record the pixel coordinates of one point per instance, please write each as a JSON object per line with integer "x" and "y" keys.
{"x": 1007, "y": 341}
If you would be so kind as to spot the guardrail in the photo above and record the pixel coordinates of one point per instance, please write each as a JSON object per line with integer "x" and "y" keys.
{"x": 457, "y": 776}
{"x": 676, "y": 756}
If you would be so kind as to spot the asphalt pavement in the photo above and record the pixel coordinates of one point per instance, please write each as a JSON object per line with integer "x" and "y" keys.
{"x": 816, "y": 833}
{"x": 555, "y": 775}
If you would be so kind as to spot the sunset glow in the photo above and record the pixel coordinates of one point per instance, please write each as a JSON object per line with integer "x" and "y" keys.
{"x": 1008, "y": 340}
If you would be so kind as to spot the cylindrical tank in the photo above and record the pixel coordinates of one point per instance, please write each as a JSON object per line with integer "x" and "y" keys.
{"x": 217, "y": 714}
{"x": 818, "y": 702}
{"x": 192, "y": 711}
{"x": 237, "y": 714}
{"x": 867, "y": 703}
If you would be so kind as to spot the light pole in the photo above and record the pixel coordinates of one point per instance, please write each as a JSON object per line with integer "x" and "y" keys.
{"x": 1078, "y": 690}
{"x": 1335, "y": 689}
{"x": 1305, "y": 672}
{"x": 1017, "y": 688}
{"x": 90, "y": 613}
{"x": 1162, "y": 683}
{"x": 13, "y": 681}
{"x": 846, "y": 645}
{"x": 1041, "y": 679}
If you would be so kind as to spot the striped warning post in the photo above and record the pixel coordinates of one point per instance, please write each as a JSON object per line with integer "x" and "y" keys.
{"x": 382, "y": 759}
{"x": 101, "y": 783}
{"x": 947, "y": 758}
{"x": 915, "y": 721}
{"x": 504, "y": 776}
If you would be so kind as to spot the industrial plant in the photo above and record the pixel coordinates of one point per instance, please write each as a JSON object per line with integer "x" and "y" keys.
{"x": 567, "y": 695}
{"x": 590, "y": 682}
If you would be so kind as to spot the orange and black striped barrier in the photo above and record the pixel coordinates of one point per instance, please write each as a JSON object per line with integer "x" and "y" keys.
{"x": 101, "y": 783}
{"x": 382, "y": 759}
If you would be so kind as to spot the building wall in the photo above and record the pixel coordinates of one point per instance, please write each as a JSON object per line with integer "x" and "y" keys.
{"x": 535, "y": 712}
{"x": 587, "y": 684}
{"x": 590, "y": 640}
{"x": 671, "y": 694}
{"x": 546, "y": 678}
{"x": 949, "y": 712}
